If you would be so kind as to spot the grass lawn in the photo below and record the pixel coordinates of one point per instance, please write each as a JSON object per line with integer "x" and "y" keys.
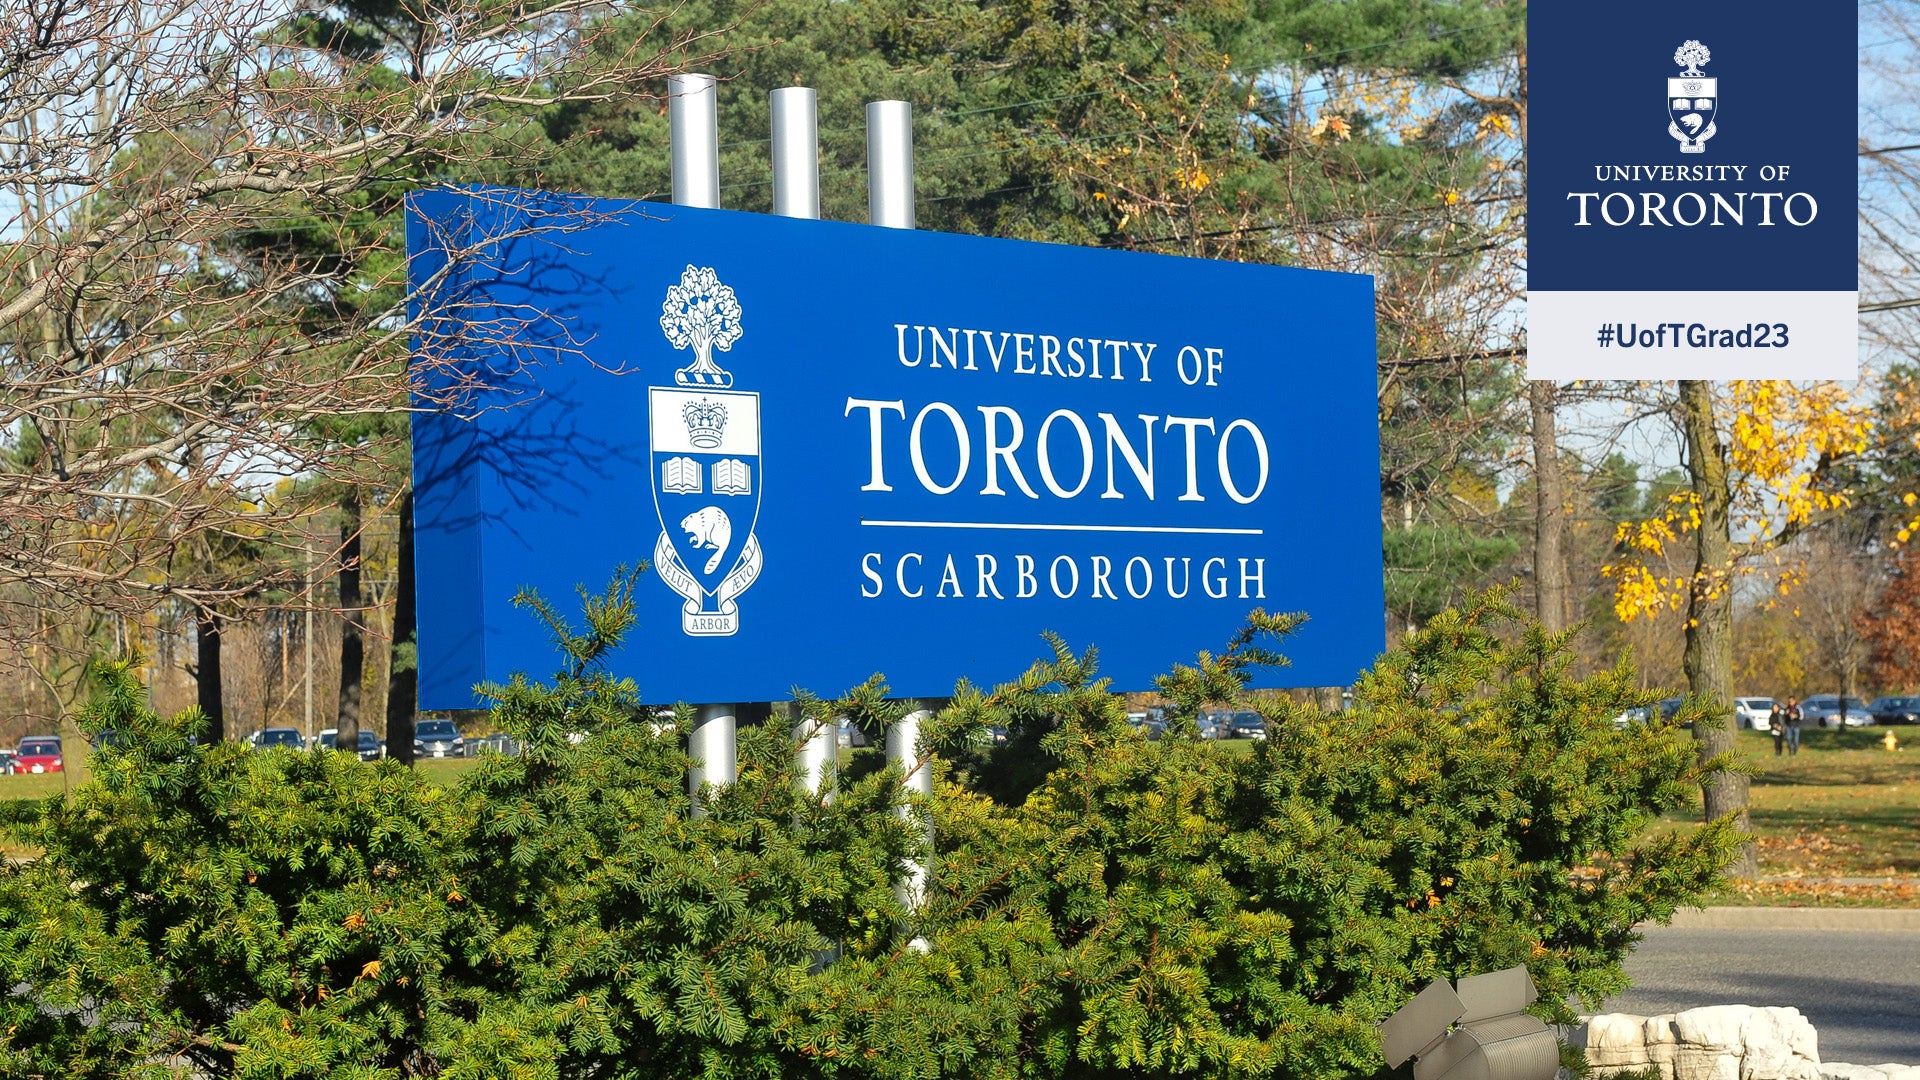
{"x": 443, "y": 770}
{"x": 32, "y": 785}
{"x": 1843, "y": 808}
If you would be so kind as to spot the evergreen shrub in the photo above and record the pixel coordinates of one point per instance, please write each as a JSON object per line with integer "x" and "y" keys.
{"x": 1101, "y": 905}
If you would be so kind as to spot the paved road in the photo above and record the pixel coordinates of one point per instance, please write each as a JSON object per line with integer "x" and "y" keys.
{"x": 1859, "y": 987}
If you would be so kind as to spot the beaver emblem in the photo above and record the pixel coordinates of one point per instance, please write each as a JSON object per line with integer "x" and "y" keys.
{"x": 709, "y": 528}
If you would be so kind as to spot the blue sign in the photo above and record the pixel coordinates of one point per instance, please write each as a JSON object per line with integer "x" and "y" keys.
{"x": 1691, "y": 179}
{"x": 843, "y": 450}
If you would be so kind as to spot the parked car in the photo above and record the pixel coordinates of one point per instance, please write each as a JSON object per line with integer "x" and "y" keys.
{"x": 1639, "y": 714}
{"x": 438, "y": 738}
{"x": 1249, "y": 725}
{"x": 506, "y": 745}
{"x": 1669, "y": 707}
{"x": 6, "y": 763}
{"x": 1216, "y": 724}
{"x": 38, "y": 754}
{"x": 111, "y": 739}
{"x": 270, "y": 738}
{"x": 1753, "y": 712}
{"x": 1895, "y": 710}
{"x": 329, "y": 739}
{"x": 1823, "y": 710}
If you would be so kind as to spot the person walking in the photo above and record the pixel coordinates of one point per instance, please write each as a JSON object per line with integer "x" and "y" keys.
{"x": 1793, "y": 726}
{"x": 1777, "y": 724}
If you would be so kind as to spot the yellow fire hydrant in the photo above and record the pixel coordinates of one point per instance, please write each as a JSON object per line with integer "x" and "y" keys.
{"x": 1890, "y": 742}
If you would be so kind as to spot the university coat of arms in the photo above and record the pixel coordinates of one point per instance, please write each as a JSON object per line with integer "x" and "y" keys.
{"x": 1692, "y": 99}
{"x": 705, "y": 442}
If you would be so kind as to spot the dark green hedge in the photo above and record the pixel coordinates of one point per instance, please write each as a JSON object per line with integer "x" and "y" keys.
{"x": 1102, "y": 905}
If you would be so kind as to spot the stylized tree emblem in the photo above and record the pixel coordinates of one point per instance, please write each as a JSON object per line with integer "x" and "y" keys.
{"x": 1690, "y": 55}
{"x": 702, "y": 313}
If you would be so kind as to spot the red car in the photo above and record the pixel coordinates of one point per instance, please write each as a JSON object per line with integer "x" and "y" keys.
{"x": 38, "y": 754}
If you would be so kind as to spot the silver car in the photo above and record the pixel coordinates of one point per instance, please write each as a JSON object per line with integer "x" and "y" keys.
{"x": 437, "y": 738}
{"x": 1823, "y": 710}
{"x": 1753, "y": 712}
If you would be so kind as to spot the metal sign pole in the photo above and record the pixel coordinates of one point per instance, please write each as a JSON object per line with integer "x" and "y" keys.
{"x": 796, "y": 153}
{"x": 890, "y": 204}
{"x": 903, "y": 749}
{"x": 694, "y": 126}
{"x": 890, "y": 164}
{"x": 796, "y": 194}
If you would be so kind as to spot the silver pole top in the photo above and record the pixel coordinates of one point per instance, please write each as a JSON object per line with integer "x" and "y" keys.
{"x": 694, "y": 126}
{"x": 796, "y": 152}
{"x": 890, "y": 164}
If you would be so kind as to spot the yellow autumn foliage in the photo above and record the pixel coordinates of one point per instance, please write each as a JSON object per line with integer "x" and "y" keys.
{"x": 1780, "y": 438}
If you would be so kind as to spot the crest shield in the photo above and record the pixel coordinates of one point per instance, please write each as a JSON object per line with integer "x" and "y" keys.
{"x": 705, "y": 448}
{"x": 704, "y": 445}
{"x": 1691, "y": 106}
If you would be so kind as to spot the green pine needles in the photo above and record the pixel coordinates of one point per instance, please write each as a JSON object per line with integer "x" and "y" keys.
{"x": 1100, "y": 904}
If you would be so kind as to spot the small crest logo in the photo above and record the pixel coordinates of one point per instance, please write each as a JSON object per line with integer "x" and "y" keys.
{"x": 1692, "y": 99}
{"x": 705, "y": 442}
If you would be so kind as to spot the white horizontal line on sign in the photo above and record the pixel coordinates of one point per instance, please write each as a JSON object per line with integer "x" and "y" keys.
{"x": 1031, "y": 526}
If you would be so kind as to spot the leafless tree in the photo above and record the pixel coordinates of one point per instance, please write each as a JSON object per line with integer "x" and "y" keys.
{"x": 200, "y": 264}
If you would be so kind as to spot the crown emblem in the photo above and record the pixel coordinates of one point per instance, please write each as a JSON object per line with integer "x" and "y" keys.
{"x": 705, "y": 420}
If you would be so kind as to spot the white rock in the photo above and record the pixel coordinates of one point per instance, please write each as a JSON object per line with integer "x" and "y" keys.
{"x": 1610, "y": 1030}
{"x": 1619, "y": 1058}
{"x": 1717, "y": 1026}
{"x": 1692, "y": 1061}
{"x": 1614, "y": 1043}
{"x": 1719, "y": 1042}
{"x": 1778, "y": 1044}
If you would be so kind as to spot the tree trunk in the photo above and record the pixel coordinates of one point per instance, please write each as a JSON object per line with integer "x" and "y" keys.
{"x": 207, "y": 674}
{"x": 352, "y": 646}
{"x": 1549, "y": 512}
{"x": 1709, "y": 656}
{"x": 403, "y": 687}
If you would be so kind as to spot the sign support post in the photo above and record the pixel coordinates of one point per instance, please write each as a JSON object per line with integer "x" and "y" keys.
{"x": 796, "y": 153}
{"x": 694, "y": 126}
{"x": 796, "y": 194}
{"x": 903, "y": 749}
{"x": 890, "y": 164}
{"x": 890, "y": 204}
